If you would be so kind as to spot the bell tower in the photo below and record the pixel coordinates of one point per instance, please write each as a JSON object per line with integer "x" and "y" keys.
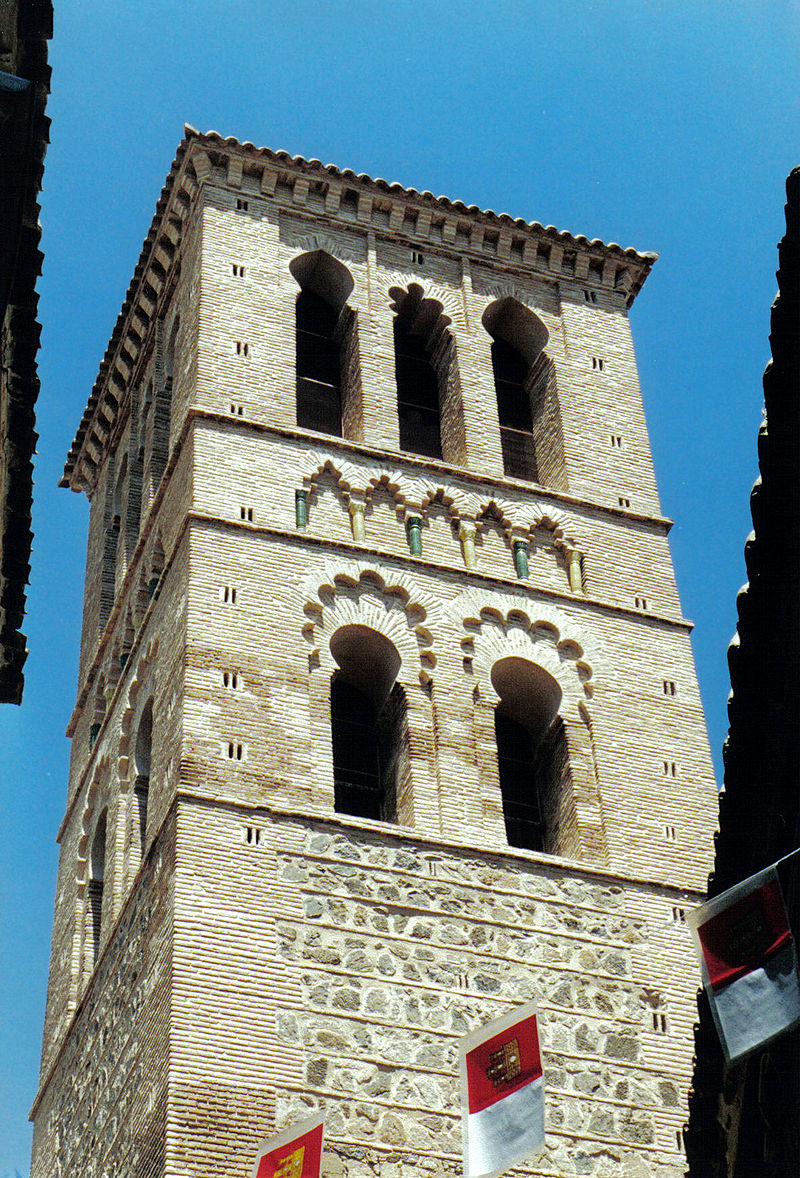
{"x": 387, "y": 719}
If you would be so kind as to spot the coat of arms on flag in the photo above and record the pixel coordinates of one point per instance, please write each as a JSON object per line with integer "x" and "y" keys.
{"x": 295, "y": 1153}
{"x": 502, "y": 1095}
{"x": 749, "y": 964}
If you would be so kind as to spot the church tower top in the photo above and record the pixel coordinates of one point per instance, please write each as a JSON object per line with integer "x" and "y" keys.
{"x": 336, "y": 195}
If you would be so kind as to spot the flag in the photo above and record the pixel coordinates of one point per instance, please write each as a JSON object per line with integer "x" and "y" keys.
{"x": 295, "y": 1153}
{"x": 748, "y": 961}
{"x": 502, "y": 1093}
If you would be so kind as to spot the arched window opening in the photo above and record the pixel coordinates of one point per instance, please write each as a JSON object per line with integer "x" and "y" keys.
{"x": 319, "y": 378}
{"x": 133, "y": 508}
{"x": 98, "y": 712}
{"x": 162, "y": 409}
{"x": 527, "y": 404}
{"x": 128, "y": 636}
{"x": 371, "y": 770}
{"x": 356, "y": 758}
{"x": 430, "y": 407}
{"x": 119, "y": 495}
{"x": 170, "y": 357}
{"x": 97, "y": 867}
{"x": 156, "y": 569}
{"x": 417, "y": 394}
{"x": 328, "y": 386}
{"x": 141, "y": 758}
{"x": 531, "y": 753}
{"x": 516, "y": 764}
{"x": 514, "y": 412}
{"x": 144, "y": 418}
{"x": 112, "y": 499}
{"x": 142, "y": 599}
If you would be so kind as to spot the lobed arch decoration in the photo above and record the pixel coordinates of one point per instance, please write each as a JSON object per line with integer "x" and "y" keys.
{"x": 140, "y": 693}
{"x": 535, "y": 670}
{"x": 416, "y": 493}
{"x": 91, "y": 808}
{"x": 393, "y": 606}
{"x": 142, "y": 677}
{"x": 523, "y": 520}
{"x": 369, "y": 638}
{"x": 430, "y": 410}
{"x": 534, "y": 631}
{"x": 357, "y": 484}
{"x": 348, "y": 476}
{"x": 393, "y": 285}
{"x": 88, "y": 910}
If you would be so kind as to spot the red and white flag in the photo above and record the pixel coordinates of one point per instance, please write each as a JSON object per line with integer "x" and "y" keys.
{"x": 749, "y": 965}
{"x": 502, "y": 1093}
{"x": 295, "y": 1153}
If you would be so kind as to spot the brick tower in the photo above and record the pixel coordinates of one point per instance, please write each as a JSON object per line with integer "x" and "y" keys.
{"x": 387, "y": 718}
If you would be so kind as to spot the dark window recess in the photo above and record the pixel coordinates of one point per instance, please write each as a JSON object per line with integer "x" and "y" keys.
{"x": 516, "y": 762}
{"x": 95, "y": 893}
{"x": 417, "y": 395}
{"x": 97, "y": 864}
{"x": 514, "y": 412}
{"x": 365, "y": 754}
{"x": 319, "y": 379}
{"x": 142, "y": 759}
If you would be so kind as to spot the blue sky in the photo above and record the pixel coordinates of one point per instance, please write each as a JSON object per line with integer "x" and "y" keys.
{"x": 661, "y": 126}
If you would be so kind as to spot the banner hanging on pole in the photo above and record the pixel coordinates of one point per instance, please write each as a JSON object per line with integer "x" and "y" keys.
{"x": 502, "y": 1093}
{"x": 749, "y": 964}
{"x": 295, "y": 1153}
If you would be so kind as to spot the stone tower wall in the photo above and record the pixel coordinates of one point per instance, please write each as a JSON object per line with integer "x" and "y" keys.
{"x": 291, "y": 956}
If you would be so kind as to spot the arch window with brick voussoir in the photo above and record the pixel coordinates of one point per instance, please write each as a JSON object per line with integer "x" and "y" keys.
{"x": 161, "y": 410}
{"x": 531, "y": 751}
{"x": 94, "y": 893}
{"x": 141, "y": 786}
{"x": 430, "y": 413}
{"x": 369, "y": 731}
{"x": 328, "y": 380}
{"x": 527, "y": 401}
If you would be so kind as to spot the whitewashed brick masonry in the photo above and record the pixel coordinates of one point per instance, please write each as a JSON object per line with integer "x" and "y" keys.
{"x": 230, "y": 950}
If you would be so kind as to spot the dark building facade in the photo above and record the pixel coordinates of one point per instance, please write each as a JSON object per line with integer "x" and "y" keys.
{"x": 25, "y": 28}
{"x": 745, "y": 1119}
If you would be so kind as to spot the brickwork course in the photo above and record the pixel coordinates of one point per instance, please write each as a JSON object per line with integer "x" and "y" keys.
{"x": 234, "y": 948}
